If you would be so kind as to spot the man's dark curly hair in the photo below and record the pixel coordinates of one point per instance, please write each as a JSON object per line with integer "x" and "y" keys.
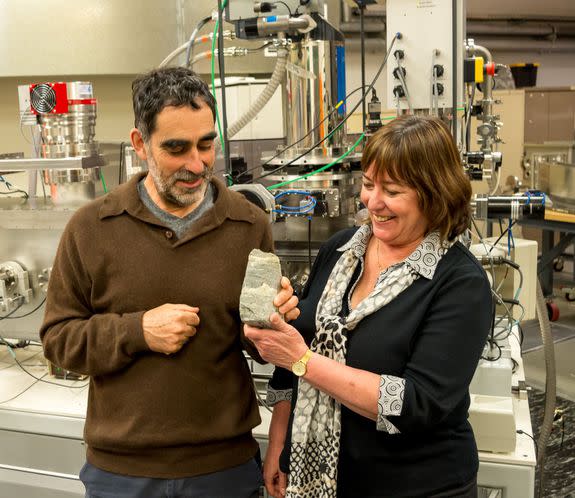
{"x": 168, "y": 86}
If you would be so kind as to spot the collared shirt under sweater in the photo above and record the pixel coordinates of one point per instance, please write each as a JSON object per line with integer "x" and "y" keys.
{"x": 151, "y": 414}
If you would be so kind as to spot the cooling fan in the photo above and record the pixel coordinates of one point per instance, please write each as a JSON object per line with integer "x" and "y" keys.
{"x": 48, "y": 98}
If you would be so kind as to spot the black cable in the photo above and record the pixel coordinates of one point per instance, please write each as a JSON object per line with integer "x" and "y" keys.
{"x": 515, "y": 365}
{"x": 347, "y": 116}
{"x": 198, "y": 27}
{"x": 261, "y": 47}
{"x": 519, "y": 431}
{"x": 121, "y": 163}
{"x": 499, "y": 351}
{"x": 309, "y": 241}
{"x": 11, "y": 313}
{"x": 454, "y": 55}
{"x": 21, "y": 392}
{"x": 335, "y": 109}
{"x": 468, "y": 121}
{"x": 501, "y": 236}
{"x": 9, "y": 317}
{"x": 40, "y": 379}
{"x": 221, "y": 68}
{"x": 285, "y": 4}
{"x": 19, "y": 345}
{"x": 362, "y": 52}
{"x": 16, "y": 191}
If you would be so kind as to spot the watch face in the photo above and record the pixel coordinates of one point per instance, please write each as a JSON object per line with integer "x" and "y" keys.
{"x": 298, "y": 368}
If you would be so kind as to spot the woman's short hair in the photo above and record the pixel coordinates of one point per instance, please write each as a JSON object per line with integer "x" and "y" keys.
{"x": 419, "y": 151}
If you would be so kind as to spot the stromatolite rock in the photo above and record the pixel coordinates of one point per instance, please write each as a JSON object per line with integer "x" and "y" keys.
{"x": 261, "y": 285}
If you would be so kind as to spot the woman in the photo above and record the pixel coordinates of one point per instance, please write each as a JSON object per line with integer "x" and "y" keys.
{"x": 396, "y": 314}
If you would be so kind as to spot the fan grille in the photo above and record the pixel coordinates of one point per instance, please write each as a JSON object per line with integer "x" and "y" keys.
{"x": 43, "y": 98}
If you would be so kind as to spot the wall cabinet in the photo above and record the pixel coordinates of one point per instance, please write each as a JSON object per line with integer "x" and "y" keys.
{"x": 549, "y": 115}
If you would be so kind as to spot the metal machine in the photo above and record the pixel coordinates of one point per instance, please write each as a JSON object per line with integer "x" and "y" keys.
{"x": 63, "y": 118}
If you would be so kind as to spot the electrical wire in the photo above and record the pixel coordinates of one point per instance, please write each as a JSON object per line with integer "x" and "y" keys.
{"x": 402, "y": 80}
{"x": 11, "y": 312}
{"x": 22, "y": 392}
{"x": 11, "y": 189}
{"x": 16, "y": 191}
{"x": 190, "y": 48}
{"x": 285, "y": 4}
{"x": 260, "y": 399}
{"x": 347, "y": 116}
{"x": 295, "y": 210}
{"x": 103, "y": 181}
{"x": 468, "y": 120}
{"x": 323, "y": 168}
{"x": 222, "y": 72}
{"x": 10, "y": 317}
{"x": 309, "y": 242}
{"x": 283, "y": 151}
{"x": 213, "y": 71}
{"x": 40, "y": 379}
{"x": 519, "y": 431}
{"x": 501, "y": 236}
{"x": 261, "y": 47}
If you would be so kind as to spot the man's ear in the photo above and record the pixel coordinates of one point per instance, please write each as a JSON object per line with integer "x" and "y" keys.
{"x": 138, "y": 144}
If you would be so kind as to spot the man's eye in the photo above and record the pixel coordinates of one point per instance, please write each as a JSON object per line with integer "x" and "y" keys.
{"x": 177, "y": 150}
{"x": 205, "y": 146}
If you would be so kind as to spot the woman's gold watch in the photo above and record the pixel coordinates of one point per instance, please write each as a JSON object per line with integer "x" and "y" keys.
{"x": 299, "y": 368}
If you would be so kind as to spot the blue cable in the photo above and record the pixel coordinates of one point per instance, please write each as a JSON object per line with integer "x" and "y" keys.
{"x": 295, "y": 210}
{"x": 510, "y": 238}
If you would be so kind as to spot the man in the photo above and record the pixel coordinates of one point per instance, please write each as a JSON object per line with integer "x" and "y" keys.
{"x": 171, "y": 403}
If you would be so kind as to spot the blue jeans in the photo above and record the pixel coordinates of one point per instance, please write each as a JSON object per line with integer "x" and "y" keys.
{"x": 243, "y": 481}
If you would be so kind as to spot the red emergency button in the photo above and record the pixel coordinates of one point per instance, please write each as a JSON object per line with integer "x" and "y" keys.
{"x": 490, "y": 68}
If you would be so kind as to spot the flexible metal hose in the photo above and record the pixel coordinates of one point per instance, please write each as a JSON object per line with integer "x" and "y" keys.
{"x": 265, "y": 96}
{"x": 550, "y": 383}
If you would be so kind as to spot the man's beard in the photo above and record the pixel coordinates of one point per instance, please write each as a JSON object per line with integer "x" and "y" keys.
{"x": 174, "y": 194}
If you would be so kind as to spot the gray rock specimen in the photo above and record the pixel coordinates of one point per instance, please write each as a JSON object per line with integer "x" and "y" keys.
{"x": 261, "y": 285}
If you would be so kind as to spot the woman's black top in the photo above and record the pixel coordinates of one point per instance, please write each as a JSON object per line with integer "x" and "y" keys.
{"x": 431, "y": 335}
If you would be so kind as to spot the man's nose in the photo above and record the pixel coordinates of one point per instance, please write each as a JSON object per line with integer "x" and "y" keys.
{"x": 194, "y": 162}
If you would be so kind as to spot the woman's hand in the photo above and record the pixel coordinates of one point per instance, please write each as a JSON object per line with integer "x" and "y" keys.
{"x": 274, "y": 479}
{"x": 286, "y": 302}
{"x": 282, "y": 346}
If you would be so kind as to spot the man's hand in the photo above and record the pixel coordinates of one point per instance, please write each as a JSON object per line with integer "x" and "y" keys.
{"x": 286, "y": 302}
{"x": 168, "y": 327}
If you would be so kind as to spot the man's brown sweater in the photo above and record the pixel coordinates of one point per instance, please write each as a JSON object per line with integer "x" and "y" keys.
{"x": 150, "y": 414}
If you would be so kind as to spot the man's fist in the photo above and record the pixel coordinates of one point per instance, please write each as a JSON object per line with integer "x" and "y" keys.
{"x": 168, "y": 327}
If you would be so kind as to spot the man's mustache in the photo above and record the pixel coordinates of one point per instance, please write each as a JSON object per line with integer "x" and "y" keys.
{"x": 188, "y": 176}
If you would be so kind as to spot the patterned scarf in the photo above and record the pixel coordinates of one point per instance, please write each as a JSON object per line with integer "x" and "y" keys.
{"x": 316, "y": 426}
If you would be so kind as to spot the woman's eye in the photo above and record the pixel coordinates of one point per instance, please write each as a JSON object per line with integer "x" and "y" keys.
{"x": 367, "y": 186}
